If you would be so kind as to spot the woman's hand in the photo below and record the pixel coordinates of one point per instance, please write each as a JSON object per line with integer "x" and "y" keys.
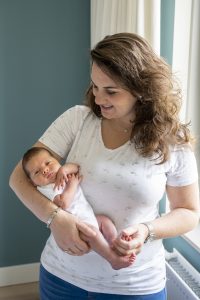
{"x": 66, "y": 230}
{"x": 131, "y": 240}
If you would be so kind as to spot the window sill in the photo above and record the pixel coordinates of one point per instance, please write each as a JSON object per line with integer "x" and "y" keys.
{"x": 193, "y": 238}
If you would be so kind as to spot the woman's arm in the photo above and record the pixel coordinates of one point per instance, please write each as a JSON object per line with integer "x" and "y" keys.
{"x": 184, "y": 211}
{"x": 42, "y": 208}
{"x": 183, "y": 217}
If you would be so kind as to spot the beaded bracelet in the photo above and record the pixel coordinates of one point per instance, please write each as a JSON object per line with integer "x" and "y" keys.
{"x": 52, "y": 216}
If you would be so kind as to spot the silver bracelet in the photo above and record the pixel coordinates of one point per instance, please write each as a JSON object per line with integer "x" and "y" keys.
{"x": 52, "y": 216}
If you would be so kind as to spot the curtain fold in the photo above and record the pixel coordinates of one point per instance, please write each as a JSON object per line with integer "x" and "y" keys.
{"x": 193, "y": 92}
{"x": 138, "y": 16}
{"x": 181, "y": 46}
{"x": 186, "y": 62}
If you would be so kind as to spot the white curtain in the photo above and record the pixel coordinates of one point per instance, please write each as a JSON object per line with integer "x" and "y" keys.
{"x": 138, "y": 16}
{"x": 186, "y": 62}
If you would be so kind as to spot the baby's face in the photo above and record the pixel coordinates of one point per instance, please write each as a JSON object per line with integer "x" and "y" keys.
{"x": 42, "y": 168}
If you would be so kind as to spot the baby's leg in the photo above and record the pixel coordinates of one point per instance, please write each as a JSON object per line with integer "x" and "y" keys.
{"x": 107, "y": 228}
{"x": 101, "y": 246}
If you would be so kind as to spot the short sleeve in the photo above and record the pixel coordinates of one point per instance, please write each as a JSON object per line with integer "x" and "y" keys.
{"x": 183, "y": 167}
{"x": 61, "y": 133}
{"x": 47, "y": 191}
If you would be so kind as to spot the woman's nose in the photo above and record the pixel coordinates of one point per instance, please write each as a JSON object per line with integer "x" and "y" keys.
{"x": 100, "y": 99}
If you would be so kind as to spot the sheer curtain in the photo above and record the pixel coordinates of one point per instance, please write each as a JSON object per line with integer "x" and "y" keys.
{"x": 138, "y": 16}
{"x": 186, "y": 62}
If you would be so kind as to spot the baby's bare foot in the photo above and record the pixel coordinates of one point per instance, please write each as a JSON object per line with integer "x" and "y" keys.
{"x": 118, "y": 262}
{"x": 126, "y": 237}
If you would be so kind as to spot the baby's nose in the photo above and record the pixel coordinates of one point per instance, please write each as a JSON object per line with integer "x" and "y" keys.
{"x": 45, "y": 171}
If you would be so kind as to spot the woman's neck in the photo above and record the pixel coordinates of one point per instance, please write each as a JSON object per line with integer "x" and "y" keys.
{"x": 119, "y": 125}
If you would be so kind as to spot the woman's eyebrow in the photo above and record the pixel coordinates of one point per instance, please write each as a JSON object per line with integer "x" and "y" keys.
{"x": 106, "y": 87}
{"x": 93, "y": 82}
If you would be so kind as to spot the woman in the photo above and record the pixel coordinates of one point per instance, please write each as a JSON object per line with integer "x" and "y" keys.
{"x": 132, "y": 149}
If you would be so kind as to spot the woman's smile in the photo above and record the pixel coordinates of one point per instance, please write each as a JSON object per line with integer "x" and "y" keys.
{"x": 114, "y": 101}
{"x": 106, "y": 108}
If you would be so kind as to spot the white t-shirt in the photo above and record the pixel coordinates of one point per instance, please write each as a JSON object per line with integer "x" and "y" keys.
{"x": 78, "y": 207}
{"x": 122, "y": 185}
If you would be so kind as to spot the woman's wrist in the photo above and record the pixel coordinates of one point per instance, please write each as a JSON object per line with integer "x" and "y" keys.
{"x": 143, "y": 231}
{"x": 150, "y": 236}
{"x": 52, "y": 216}
{"x": 55, "y": 216}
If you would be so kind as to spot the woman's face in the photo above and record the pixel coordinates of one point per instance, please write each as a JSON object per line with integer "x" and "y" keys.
{"x": 114, "y": 101}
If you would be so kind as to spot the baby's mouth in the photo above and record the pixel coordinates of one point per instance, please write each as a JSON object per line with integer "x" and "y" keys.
{"x": 50, "y": 175}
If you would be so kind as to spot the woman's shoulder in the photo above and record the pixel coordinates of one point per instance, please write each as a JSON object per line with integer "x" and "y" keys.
{"x": 181, "y": 154}
{"x": 74, "y": 114}
{"x": 74, "y": 118}
{"x": 177, "y": 148}
{"x": 182, "y": 165}
{"x": 78, "y": 110}
{"x": 77, "y": 114}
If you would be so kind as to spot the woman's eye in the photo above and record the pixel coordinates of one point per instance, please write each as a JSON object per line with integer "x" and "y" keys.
{"x": 36, "y": 172}
{"x": 111, "y": 92}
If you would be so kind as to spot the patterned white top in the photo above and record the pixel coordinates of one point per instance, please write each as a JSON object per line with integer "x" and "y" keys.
{"x": 122, "y": 185}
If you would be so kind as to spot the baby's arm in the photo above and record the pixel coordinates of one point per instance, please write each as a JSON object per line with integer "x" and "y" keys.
{"x": 63, "y": 173}
{"x": 65, "y": 199}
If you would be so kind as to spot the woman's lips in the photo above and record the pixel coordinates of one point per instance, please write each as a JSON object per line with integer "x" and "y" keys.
{"x": 106, "y": 107}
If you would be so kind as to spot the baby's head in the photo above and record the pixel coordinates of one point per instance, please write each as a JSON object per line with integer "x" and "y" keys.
{"x": 40, "y": 166}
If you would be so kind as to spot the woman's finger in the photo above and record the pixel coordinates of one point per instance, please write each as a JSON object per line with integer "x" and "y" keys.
{"x": 126, "y": 247}
{"x": 85, "y": 229}
{"x": 130, "y": 231}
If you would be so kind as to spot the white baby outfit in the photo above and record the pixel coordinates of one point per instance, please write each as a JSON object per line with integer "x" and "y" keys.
{"x": 122, "y": 185}
{"x": 79, "y": 206}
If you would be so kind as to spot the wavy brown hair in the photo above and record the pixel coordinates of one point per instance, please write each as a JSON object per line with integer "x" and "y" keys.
{"x": 130, "y": 61}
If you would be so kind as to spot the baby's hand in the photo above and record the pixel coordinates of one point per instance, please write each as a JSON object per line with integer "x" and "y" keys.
{"x": 61, "y": 179}
{"x": 74, "y": 179}
{"x": 63, "y": 174}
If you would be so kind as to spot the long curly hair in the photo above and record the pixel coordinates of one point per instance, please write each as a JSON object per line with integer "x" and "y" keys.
{"x": 130, "y": 61}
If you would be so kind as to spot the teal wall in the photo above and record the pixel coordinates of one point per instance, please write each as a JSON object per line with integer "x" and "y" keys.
{"x": 167, "y": 29}
{"x": 167, "y": 23}
{"x": 44, "y": 69}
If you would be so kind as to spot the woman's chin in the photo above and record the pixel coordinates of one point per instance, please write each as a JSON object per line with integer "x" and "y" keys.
{"x": 107, "y": 113}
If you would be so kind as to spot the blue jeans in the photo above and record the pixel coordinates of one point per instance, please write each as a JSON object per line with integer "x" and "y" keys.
{"x": 54, "y": 288}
